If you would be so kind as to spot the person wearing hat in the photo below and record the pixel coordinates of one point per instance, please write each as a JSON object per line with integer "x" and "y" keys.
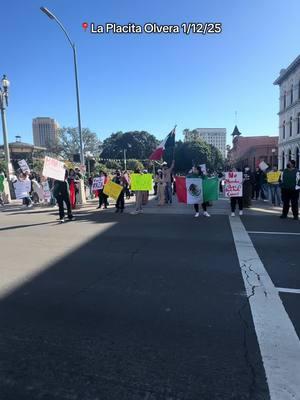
{"x": 160, "y": 188}
{"x": 167, "y": 179}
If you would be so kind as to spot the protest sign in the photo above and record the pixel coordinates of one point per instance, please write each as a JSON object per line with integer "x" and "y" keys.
{"x": 233, "y": 184}
{"x": 54, "y": 169}
{"x": 112, "y": 189}
{"x": 98, "y": 184}
{"x": 203, "y": 168}
{"x": 273, "y": 177}
{"x": 22, "y": 188}
{"x": 263, "y": 166}
{"x": 210, "y": 189}
{"x": 24, "y": 166}
{"x": 46, "y": 190}
{"x": 141, "y": 182}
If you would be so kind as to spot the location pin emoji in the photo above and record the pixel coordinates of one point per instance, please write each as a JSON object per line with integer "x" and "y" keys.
{"x": 85, "y": 25}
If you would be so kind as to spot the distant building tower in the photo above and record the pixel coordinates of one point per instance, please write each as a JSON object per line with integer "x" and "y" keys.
{"x": 213, "y": 136}
{"x": 45, "y": 131}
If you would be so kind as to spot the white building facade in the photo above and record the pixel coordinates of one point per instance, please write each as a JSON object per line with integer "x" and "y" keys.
{"x": 213, "y": 136}
{"x": 289, "y": 114}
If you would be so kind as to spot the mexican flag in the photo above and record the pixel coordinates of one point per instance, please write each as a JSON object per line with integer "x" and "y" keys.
{"x": 194, "y": 190}
{"x": 168, "y": 142}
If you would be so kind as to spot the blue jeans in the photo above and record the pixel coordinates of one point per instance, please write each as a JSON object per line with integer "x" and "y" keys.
{"x": 275, "y": 194}
{"x": 168, "y": 192}
{"x": 265, "y": 191}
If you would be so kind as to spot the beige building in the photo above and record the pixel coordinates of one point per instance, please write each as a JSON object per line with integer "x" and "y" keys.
{"x": 289, "y": 114}
{"x": 213, "y": 136}
{"x": 45, "y": 131}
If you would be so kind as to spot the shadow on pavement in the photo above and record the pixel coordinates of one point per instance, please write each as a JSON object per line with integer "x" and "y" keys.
{"x": 147, "y": 309}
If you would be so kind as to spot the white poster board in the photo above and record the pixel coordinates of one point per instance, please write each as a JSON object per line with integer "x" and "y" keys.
{"x": 46, "y": 189}
{"x": 263, "y": 166}
{"x": 194, "y": 190}
{"x": 22, "y": 188}
{"x": 233, "y": 184}
{"x": 24, "y": 166}
{"x": 203, "y": 168}
{"x": 98, "y": 184}
{"x": 54, "y": 169}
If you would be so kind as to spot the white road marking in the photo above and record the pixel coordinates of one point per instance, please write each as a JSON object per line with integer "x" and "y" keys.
{"x": 276, "y": 335}
{"x": 274, "y": 233}
{"x": 286, "y": 290}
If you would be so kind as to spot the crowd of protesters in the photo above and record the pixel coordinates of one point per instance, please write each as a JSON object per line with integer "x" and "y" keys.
{"x": 281, "y": 190}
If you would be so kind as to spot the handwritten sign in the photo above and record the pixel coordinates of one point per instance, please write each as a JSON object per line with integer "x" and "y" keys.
{"x": 141, "y": 182}
{"x": 98, "y": 184}
{"x": 233, "y": 184}
{"x": 54, "y": 169}
{"x": 24, "y": 166}
{"x": 112, "y": 189}
{"x": 263, "y": 166}
{"x": 22, "y": 188}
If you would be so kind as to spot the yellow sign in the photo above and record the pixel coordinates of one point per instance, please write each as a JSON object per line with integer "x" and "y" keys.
{"x": 273, "y": 177}
{"x": 112, "y": 189}
{"x": 141, "y": 182}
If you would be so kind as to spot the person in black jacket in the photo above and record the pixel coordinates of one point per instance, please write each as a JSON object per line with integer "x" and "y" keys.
{"x": 62, "y": 194}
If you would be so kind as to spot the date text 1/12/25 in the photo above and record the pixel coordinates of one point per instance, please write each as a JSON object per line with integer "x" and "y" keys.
{"x": 202, "y": 28}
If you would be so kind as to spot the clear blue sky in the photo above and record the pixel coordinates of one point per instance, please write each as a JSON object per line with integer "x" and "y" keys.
{"x": 148, "y": 82}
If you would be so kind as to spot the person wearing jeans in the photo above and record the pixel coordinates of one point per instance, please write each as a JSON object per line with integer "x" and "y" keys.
{"x": 273, "y": 180}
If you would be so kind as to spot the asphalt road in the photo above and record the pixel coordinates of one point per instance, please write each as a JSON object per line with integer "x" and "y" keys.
{"x": 148, "y": 307}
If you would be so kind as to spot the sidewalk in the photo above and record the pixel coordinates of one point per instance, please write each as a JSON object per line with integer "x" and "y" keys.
{"x": 220, "y": 207}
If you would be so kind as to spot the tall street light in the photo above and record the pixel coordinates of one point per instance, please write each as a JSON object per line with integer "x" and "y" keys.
{"x": 3, "y": 105}
{"x": 52, "y": 16}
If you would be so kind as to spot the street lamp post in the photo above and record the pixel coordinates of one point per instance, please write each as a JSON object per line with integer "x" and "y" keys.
{"x": 52, "y": 16}
{"x": 3, "y": 105}
{"x": 125, "y": 160}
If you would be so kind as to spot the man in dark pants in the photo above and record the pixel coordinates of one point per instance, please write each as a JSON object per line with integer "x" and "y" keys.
{"x": 289, "y": 180}
{"x": 62, "y": 194}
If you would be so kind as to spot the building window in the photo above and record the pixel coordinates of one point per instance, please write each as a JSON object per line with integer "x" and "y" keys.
{"x": 284, "y": 101}
{"x": 283, "y": 160}
{"x": 291, "y": 126}
{"x": 283, "y": 130}
{"x": 290, "y": 155}
{"x": 299, "y": 90}
{"x": 292, "y": 94}
{"x": 298, "y": 123}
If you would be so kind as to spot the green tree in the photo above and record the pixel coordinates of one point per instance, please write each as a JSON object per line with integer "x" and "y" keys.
{"x": 188, "y": 154}
{"x": 68, "y": 143}
{"x": 138, "y": 145}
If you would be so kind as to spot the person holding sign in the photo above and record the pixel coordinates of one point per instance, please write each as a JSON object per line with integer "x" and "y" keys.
{"x": 273, "y": 178}
{"x": 61, "y": 192}
{"x": 234, "y": 190}
{"x": 119, "y": 179}
{"x": 198, "y": 173}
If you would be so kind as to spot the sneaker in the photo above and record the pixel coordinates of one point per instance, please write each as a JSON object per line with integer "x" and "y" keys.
{"x": 241, "y": 212}
{"x": 136, "y": 212}
{"x": 62, "y": 220}
{"x": 117, "y": 210}
{"x": 29, "y": 206}
{"x": 71, "y": 218}
{"x": 233, "y": 214}
{"x": 296, "y": 218}
{"x": 206, "y": 214}
{"x": 283, "y": 216}
{"x": 196, "y": 215}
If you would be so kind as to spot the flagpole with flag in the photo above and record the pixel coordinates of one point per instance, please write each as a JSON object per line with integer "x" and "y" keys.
{"x": 167, "y": 143}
